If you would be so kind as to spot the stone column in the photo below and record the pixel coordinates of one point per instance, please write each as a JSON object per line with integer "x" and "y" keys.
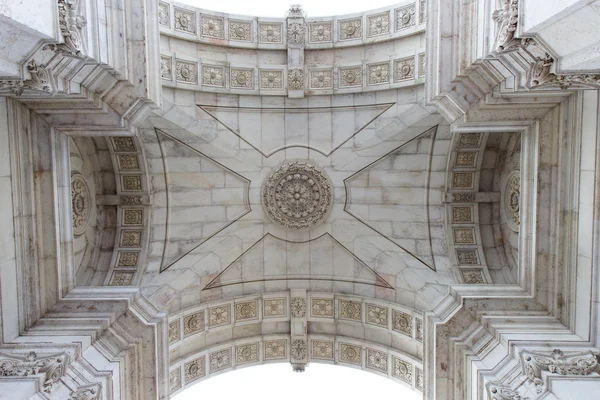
{"x": 296, "y": 35}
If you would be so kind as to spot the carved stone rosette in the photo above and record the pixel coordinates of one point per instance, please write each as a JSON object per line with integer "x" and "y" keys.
{"x": 297, "y": 195}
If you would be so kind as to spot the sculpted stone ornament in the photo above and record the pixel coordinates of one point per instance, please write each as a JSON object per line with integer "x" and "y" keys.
{"x": 541, "y": 75}
{"x": 295, "y": 32}
{"x": 507, "y": 19}
{"x": 54, "y": 367}
{"x": 512, "y": 200}
{"x": 80, "y": 202}
{"x": 39, "y": 81}
{"x": 557, "y": 363}
{"x": 297, "y": 195}
{"x": 71, "y": 28}
{"x": 498, "y": 391}
{"x": 295, "y": 11}
{"x": 87, "y": 393}
{"x": 296, "y": 79}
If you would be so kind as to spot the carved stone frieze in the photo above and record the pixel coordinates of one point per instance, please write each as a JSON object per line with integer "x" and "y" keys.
{"x": 195, "y": 369}
{"x": 297, "y": 195}
{"x": 467, "y": 256}
{"x": 350, "y": 310}
{"x": 220, "y": 360}
{"x": 377, "y": 315}
{"x": 175, "y": 380}
{"x": 131, "y": 200}
{"x": 401, "y": 369}
{"x": 350, "y": 353}
{"x": 402, "y": 322}
{"x": 193, "y": 323}
{"x": 71, "y": 27}
{"x": 321, "y": 307}
{"x": 541, "y": 75}
{"x": 30, "y": 365}
{"x": 273, "y": 308}
{"x": 246, "y": 310}
{"x": 473, "y": 276}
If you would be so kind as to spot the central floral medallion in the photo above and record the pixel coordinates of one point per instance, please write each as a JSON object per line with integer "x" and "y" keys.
{"x": 297, "y": 195}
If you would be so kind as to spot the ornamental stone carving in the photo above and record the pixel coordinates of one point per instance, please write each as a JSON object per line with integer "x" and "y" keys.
{"x": 80, "y": 204}
{"x": 274, "y": 349}
{"x": 377, "y": 360}
{"x": 298, "y": 307}
{"x": 402, "y": 322}
{"x": 321, "y": 79}
{"x": 271, "y": 80}
{"x": 39, "y": 81}
{"x": 241, "y": 78}
{"x": 350, "y": 353}
{"x": 212, "y": 26}
{"x": 322, "y": 349}
{"x": 405, "y": 17}
{"x": 472, "y": 276}
{"x": 54, "y": 367}
{"x": 273, "y": 308}
{"x": 379, "y": 73}
{"x": 163, "y": 14}
{"x": 213, "y": 75}
{"x": 350, "y": 77}
{"x": 320, "y": 32}
{"x": 499, "y": 391}
{"x": 295, "y": 32}
{"x": 298, "y": 349}
{"x": 351, "y": 29}
{"x": 87, "y": 393}
{"x": 541, "y": 75}
{"x": 295, "y": 11}
{"x": 187, "y": 72}
{"x": 404, "y": 69}
{"x": 506, "y": 18}
{"x": 246, "y": 353}
{"x": 350, "y": 310}
{"x": 269, "y": 33}
{"x": 401, "y": 369}
{"x": 166, "y": 68}
{"x": 185, "y": 21}
{"x": 379, "y": 24}
{"x": 297, "y": 195}
{"x": 377, "y": 315}
{"x": 71, "y": 27}
{"x": 512, "y": 198}
{"x": 240, "y": 31}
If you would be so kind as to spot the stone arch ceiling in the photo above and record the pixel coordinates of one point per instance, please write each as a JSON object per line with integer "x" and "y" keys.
{"x": 301, "y": 189}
